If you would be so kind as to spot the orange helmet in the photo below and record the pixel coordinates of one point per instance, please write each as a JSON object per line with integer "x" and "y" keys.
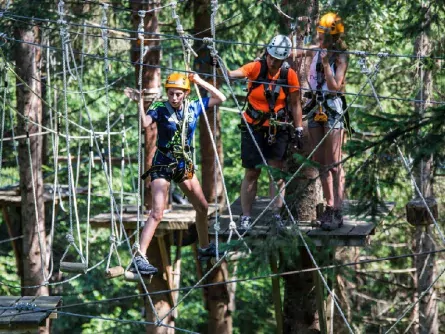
{"x": 177, "y": 80}
{"x": 331, "y": 23}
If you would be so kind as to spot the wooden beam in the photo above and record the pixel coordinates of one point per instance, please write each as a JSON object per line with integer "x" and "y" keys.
{"x": 166, "y": 264}
{"x": 319, "y": 292}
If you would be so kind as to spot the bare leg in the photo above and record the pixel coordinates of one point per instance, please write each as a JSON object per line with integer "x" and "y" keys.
{"x": 249, "y": 189}
{"x": 333, "y": 155}
{"x": 159, "y": 190}
{"x": 192, "y": 189}
{"x": 315, "y": 136}
{"x": 272, "y": 190}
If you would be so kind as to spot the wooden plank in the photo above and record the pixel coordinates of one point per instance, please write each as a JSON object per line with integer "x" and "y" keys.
{"x": 36, "y": 318}
{"x": 9, "y": 315}
{"x": 179, "y": 218}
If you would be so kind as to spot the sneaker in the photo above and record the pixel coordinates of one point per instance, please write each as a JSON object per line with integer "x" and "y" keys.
{"x": 144, "y": 267}
{"x": 329, "y": 221}
{"x": 245, "y": 224}
{"x": 209, "y": 252}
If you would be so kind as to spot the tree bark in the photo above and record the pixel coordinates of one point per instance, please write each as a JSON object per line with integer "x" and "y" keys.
{"x": 217, "y": 297}
{"x": 151, "y": 75}
{"x": 201, "y": 12}
{"x": 27, "y": 59}
{"x": 151, "y": 82}
{"x": 426, "y": 311}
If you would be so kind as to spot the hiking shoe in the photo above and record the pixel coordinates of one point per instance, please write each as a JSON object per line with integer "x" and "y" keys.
{"x": 245, "y": 224}
{"x": 338, "y": 217}
{"x": 209, "y": 252}
{"x": 329, "y": 221}
{"x": 143, "y": 266}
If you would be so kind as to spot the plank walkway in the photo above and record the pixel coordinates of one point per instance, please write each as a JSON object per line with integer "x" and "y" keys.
{"x": 354, "y": 232}
{"x": 26, "y": 314}
{"x": 180, "y": 217}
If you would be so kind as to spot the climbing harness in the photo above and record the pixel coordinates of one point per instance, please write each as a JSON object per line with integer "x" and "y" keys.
{"x": 275, "y": 118}
{"x": 177, "y": 149}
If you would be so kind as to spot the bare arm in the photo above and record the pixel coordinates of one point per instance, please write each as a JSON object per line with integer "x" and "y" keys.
{"x": 146, "y": 119}
{"x": 335, "y": 83}
{"x": 296, "y": 110}
{"x": 236, "y": 74}
{"x": 216, "y": 97}
{"x": 136, "y": 96}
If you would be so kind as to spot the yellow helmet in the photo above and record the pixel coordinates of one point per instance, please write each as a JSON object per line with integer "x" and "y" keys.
{"x": 331, "y": 23}
{"x": 177, "y": 80}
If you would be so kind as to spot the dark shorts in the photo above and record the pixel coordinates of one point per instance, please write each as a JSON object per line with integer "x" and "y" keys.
{"x": 249, "y": 152}
{"x": 168, "y": 169}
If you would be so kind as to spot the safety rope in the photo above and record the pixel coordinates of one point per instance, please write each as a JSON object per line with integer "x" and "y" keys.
{"x": 71, "y": 192}
{"x": 216, "y": 225}
{"x": 113, "y": 232}
{"x": 136, "y": 245}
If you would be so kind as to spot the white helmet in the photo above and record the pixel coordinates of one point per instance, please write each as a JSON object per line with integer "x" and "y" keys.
{"x": 279, "y": 47}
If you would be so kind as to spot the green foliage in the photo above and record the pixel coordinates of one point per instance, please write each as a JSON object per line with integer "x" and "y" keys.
{"x": 374, "y": 170}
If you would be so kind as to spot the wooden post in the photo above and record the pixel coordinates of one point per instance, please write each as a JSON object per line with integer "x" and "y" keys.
{"x": 418, "y": 216}
{"x": 276, "y": 295}
{"x": 319, "y": 295}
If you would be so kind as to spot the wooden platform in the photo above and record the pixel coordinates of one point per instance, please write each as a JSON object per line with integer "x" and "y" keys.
{"x": 26, "y": 314}
{"x": 180, "y": 217}
{"x": 354, "y": 232}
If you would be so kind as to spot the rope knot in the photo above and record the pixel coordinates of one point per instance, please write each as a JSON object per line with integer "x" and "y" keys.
{"x": 207, "y": 40}
{"x": 180, "y": 29}
{"x": 217, "y": 227}
{"x": 174, "y": 4}
{"x": 136, "y": 246}
{"x": 70, "y": 238}
{"x": 141, "y": 13}
{"x": 113, "y": 238}
{"x": 232, "y": 225}
{"x": 382, "y": 54}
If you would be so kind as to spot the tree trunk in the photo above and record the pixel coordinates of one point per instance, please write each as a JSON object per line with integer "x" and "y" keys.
{"x": 27, "y": 59}
{"x": 217, "y": 297}
{"x": 151, "y": 76}
{"x": 151, "y": 82}
{"x": 426, "y": 311}
{"x": 201, "y": 12}
{"x": 303, "y": 195}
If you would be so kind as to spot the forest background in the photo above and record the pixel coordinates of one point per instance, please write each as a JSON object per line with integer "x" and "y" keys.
{"x": 375, "y": 294}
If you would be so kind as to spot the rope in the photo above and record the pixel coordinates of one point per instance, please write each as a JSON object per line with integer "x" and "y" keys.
{"x": 104, "y": 23}
{"x": 229, "y": 42}
{"x": 71, "y": 197}
{"x": 136, "y": 244}
{"x": 206, "y": 74}
{"x": 216, "y": 225}
{"x": 408, "y": 169}
{"x": 410, "y": 307}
